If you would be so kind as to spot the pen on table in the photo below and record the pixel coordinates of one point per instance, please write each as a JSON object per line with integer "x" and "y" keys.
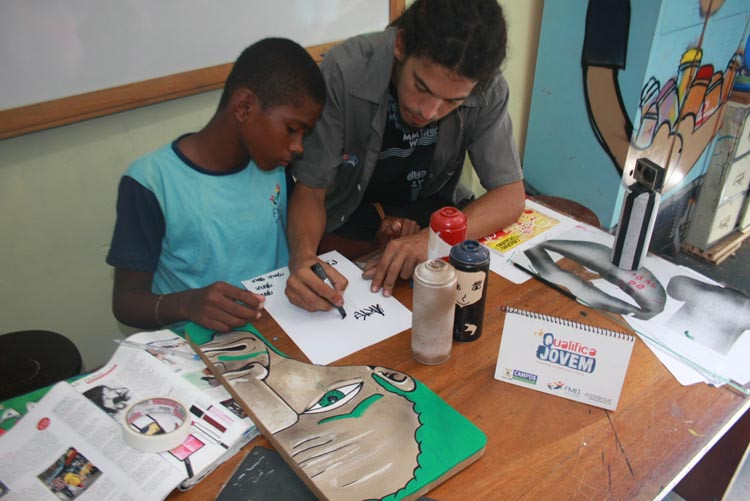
{"x": 317, "y": 268}
{"x": 546, "y": 282}
{"x": 158, "y": 349}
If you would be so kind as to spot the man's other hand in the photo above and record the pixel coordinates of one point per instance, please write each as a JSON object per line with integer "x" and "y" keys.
{"x": 399, "y": 259}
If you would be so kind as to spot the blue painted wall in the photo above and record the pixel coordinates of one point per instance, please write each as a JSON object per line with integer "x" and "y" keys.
{"x": 563, "y": 156}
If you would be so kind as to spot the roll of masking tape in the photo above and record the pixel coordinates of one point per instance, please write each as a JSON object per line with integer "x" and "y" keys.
{"x": 156, "y": 424}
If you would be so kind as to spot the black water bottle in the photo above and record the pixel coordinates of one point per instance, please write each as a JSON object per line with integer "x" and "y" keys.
{"x": 472, "y": 263}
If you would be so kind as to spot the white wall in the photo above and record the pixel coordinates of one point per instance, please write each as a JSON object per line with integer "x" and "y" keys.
{"x": 57, "y": 210}
{"x": 524, "y": 23}
{"x": 58, "y": 190}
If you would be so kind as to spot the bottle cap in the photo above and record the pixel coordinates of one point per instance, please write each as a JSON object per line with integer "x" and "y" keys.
{"x": 435, "y": 272}
{"x": 469, "y": 252}
{"x": 448, "y": 217}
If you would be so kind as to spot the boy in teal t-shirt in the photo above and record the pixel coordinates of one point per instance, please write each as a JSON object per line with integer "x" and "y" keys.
{"x": 208, "y": 210}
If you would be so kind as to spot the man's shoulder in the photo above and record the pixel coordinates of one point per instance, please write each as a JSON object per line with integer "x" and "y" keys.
{"x": 354, "y": 55}
{"x": 494, "y": 91}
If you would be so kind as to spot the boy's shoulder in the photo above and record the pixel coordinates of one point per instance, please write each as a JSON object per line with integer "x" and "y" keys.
{"x": 152, "y": 162}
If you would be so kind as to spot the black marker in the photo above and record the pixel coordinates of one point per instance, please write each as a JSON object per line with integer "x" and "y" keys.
{"x": 317, "y": 268}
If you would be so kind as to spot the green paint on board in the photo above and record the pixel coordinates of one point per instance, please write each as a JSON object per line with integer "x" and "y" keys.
{"x": 230, "y": 358}
{"x": 358, "y": 411}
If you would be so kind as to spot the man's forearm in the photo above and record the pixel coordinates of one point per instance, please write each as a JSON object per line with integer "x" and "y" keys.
{"x": 306, "y": 222}
{"x": 495, "y": 210}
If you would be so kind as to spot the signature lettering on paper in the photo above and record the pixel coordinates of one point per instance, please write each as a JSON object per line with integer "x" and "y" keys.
{"x": 264, "y": 285}
{"x": 364, "y": 313}
{"x": 264, "y": 289}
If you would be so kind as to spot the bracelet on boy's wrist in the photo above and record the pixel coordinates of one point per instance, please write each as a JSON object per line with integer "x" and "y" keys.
{"x": 156, "y": 310}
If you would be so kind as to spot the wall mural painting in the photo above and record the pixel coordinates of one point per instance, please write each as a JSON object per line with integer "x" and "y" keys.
{"x": 678, "y": 116}
{"x": 356, "y": 432}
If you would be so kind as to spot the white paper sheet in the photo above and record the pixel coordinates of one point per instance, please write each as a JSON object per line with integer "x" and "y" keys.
{"x": 674, "y": 326}
{"x": 324, "y": 336}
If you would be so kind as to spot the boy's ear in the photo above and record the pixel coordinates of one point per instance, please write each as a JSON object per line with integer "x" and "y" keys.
{"x": 399, "y": 49}
{"x": 245, "y": 104}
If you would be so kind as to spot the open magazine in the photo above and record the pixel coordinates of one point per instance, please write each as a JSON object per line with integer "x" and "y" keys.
{"x": 69, "y": 443}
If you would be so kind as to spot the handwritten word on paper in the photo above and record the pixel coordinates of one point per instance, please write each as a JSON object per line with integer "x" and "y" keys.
{"x": 324, "y": 336}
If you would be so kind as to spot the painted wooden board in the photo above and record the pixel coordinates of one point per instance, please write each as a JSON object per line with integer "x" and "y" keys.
{"x": 355, "y": 432}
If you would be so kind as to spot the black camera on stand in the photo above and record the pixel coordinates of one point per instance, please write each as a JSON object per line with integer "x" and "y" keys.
{"x": 638, "y": 215}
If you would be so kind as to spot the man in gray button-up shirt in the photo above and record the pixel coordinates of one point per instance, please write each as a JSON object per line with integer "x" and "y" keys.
{"x": 439, "y": 64}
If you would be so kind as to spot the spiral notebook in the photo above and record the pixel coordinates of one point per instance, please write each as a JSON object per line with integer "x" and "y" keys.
{"x": 563, "y": 358}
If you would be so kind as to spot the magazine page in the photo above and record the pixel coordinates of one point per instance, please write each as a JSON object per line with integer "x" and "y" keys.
{"x": 176, "y": 354}
{"x": 536, "y": 223}
{"x": 180, "y": 359}
{"x": 66, "y": 448}
{"x": 134, "y": 374}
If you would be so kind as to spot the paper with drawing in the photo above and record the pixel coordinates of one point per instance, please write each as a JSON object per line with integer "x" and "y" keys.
{"x": 677, "y": 310}
{"x": 324, "y": 336}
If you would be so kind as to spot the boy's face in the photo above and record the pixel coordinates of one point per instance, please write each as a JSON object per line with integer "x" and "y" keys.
{"x": 427, "y": 91}
{"x": 273, "y": 135}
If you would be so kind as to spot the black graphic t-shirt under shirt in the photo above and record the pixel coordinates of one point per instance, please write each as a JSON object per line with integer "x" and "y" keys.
{"x": 403, "y": 161}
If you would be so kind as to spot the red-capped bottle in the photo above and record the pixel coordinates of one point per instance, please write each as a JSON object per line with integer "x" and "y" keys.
{"x": 447, "y": 228}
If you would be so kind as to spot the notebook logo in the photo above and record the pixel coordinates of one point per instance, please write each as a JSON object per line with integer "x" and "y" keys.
{"x": 559, "y": 385}
{"x": 571, "y": 354}
{"x": 525, "y": 377}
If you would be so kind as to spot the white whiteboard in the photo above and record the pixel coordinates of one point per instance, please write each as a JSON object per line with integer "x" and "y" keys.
{"x": 51, "y": 49}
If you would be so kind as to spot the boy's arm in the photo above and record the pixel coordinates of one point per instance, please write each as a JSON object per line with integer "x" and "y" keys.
{"x": 306, "y": 224}
{"x": 219, "y": 306}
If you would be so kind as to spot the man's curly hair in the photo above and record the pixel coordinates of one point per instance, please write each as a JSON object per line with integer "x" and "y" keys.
{"x": 469, "y": 37}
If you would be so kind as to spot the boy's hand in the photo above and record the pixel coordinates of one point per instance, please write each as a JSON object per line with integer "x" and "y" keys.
{"x": 306, "y": 290}
{"x": 399, "y": 259}
{"x": 221, "y": 306}
{"x": 393, "y": 227}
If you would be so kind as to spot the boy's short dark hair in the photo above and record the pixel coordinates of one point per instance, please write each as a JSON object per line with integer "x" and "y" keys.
{"x": 468, "y": 37}
{"x": 279, "y": 71}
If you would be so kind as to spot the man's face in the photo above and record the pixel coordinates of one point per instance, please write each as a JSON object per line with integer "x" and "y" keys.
{"x": 339, "y": 425}
{"x": 426, "y": 90}
{"x": 273, "y": 135}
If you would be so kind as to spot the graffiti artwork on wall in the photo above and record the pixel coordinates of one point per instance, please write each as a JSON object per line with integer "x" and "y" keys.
{"x": 679, "y": 116}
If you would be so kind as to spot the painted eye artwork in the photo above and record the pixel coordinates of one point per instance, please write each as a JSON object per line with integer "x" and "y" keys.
{"x": 349, "y": 432}
{"x": 334, "y": 399}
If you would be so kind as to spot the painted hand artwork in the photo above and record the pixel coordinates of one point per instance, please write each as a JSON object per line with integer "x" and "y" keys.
{"x": 699, "y": 312}
{"x": 356, "y": 432}
{"x": 679, "y": 114}
{"x": 640, "y": 285}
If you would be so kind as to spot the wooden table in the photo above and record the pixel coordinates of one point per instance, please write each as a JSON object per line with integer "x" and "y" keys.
{"x": 541, "y": 446}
